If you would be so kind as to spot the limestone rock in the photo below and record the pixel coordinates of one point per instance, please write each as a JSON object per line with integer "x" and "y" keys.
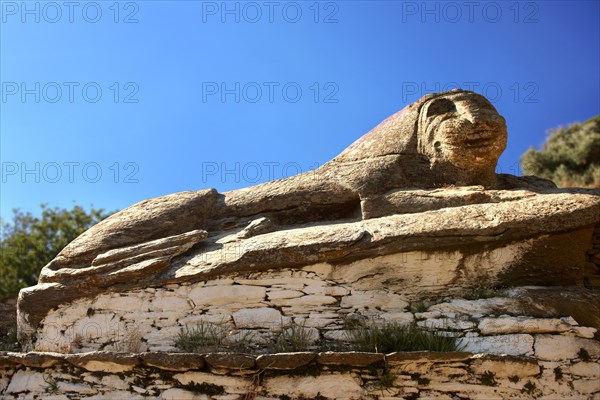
{"x": 422, "y": 356}
{"x": 172, "y": 361}
{"x": 504, "y": 367}
{"x": 552, "y": 347}
{"x": 25, "y": 381}
{"x": 284, "y": 361}
{"x": 259, "y": 318}
{"x": 230, "y": 360}
{"x": 353, "y": 358}
{"x": 334, "y": 386}
{"x": 492, "y": 326}
{"x": 514, "y": 345}
{"x": 104, "y": 361}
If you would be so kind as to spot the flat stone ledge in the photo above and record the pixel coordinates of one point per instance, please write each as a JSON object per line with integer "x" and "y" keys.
{"x": 104, "y": 361}
{"x": 121, "y": 362}
{"x": 351, "y": 358}
{"x": 230, "y": 360}
{"x": 429, "y": 356}
{"x": 32, "y": 359}
{"x": 173, "y": 361}
{"x": 284, "y": 361}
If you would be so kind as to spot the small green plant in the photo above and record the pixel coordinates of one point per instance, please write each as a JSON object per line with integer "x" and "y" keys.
{"x": 584, "y": 355}
{"x": 528, "y": 388}
{"x": 354, "y": 321}
{"x": 204, "y": 337}
{"x": 420, "y": 380}
{"x": 130, "y": 343}
{"x": 9, "y": 341}
{"x": 558, "y": 374}
{"x": 77, "y": 341}
{"x": 483, "y": 288}
{"x": 488, "y": 378}
{"x": 393, "y": 336}
{"x": 293, "y": 337}
{"x": 514, "y": 378}
{"x": 418, "y": 306}
{"x": 52, "y": 387}
{"x": 385, "y": 377}
{"x": 209, "y": 389}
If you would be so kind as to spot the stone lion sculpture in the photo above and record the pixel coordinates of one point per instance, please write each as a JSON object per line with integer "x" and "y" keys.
{"x": 450, "y": 138}
{"x": 438, "y": 154}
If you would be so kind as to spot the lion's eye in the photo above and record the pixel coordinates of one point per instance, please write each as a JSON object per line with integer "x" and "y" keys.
{"x": 440, "y": 106}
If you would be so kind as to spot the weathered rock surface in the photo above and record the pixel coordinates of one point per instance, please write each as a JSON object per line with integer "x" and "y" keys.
{"x": 413, "y": 207}
{"x": 328, "y": 376}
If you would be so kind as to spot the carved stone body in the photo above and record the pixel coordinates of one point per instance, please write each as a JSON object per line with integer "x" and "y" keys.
{"x": 450, "y": 138}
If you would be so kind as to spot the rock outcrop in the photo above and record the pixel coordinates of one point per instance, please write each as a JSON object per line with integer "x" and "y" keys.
{"x": 412, "y": 208}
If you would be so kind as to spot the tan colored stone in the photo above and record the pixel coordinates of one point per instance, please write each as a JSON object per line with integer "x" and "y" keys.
{"x": 354, "y": 359}
{"x": 587, "y": 369}
{"x": 504, "y": 367}
{"x": 284, "y": 361}
{"x": 333, "y": 386}
{"x": 427, "y": 356}
{"x": 178, "y": 394}
{"x": 503, "y": 325}
{"x": 515, "y": 345}
{"x": 221, "y": 295}
{"x": 587, "y": 386}
{"x": 447, "y": 324}
{"x": 557, "y": 347}
{"x": 276, "y": 294}
{"x": 173, "y": 361}
{"x": 259, "y": 318}
{"x": 305, "y": 301}
{"x": 25, "y": 381}
{"x": 374, "y": 299}
{"x": 230, "y": 360}
{"x": 585, "y": 332}
{"x": 232, "y": 385}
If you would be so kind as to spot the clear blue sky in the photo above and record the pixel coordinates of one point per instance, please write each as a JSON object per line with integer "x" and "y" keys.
{"x": 166, "y": 96}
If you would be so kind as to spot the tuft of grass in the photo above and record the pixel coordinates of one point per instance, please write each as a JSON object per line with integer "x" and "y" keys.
{"x": 209, "y": 389}
{"x": 488, "y": 378}
{"x": 558, "y": 374}
{"x": 292, "y": 338}
{"x": 9, "y": 341}
{"x": 204, "y": 337}
{"x": 354, "y": 321}
{"x": 52, "y": 387}
{"x": 418, "y": 306}
{"x": 393, "y": 336}
{"x": 528, "y": 388}
{"x": 130, "y": 343}
{"x": 207, "y": 337}
{"x": 483, "y": 288}
{"x": 514, "y": 378}
{"x": 584, "y": 355}
{"x": 420, "y": 380}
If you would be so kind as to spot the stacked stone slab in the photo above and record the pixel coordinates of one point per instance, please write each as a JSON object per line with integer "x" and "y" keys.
{"x": 180, "y": 376}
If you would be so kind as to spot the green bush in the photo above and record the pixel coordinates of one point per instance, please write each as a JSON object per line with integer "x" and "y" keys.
{"x": 570, "y": 157}
{"x": 27, "y": 243}
{"x": 393, "y": 336}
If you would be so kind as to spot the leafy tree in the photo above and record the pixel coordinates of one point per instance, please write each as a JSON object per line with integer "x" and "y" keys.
{"x": 29, "y": 242}
{"x": 570, "y": 157}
